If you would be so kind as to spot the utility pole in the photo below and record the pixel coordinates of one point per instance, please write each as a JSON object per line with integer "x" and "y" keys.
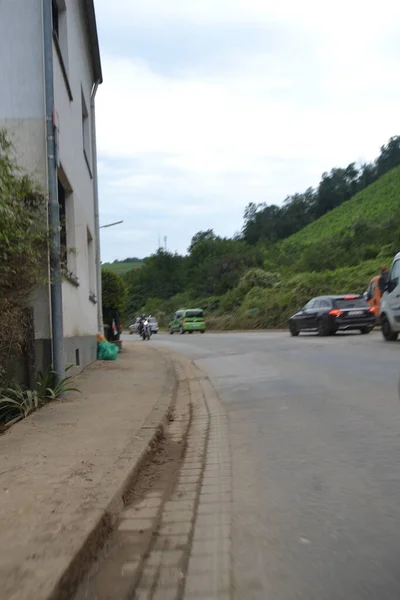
{"x": 57, "y": 332}
{"x": 165, "y": 243}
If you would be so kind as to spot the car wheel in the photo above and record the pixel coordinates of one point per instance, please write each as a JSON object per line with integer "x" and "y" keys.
{"x": 171, "y": 332}
{"x": 181, "y": 330}
{"x": 190, "y": 331}
{"x": 387, "y": 331}
{"x": 294, "y": 332}
{"x": 203, "y": 331}
{"x": 323, "y": 328}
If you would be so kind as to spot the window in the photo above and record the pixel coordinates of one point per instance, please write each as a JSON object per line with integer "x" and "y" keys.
{"x": 91, "y": 264}
{"x": 351, "y": 303}
{"x": 394, "y": 275}
{"x": 67, "y": 226}
{"x": 60, "y": 37}
{"x": 309, "y": 305}
{"x": 86, "y": 133}
{"x": 56, "y": 18}
{"x": 63, "y": 225}
{"x": 193, "y": 314}
{"x": 371, "y": 290}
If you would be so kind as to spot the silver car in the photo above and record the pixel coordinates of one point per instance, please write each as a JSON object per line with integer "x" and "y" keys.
{"x": 134, "y": 327}
{"x": 153, "y": 324}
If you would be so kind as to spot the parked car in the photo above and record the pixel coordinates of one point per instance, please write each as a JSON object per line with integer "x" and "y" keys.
{"x": 329, "y": 314}
{"x": 390, "y": 303}
{"x": 153, "y": 324}
{"x": 373, "y": 296}
{"x": 188, "y": 320}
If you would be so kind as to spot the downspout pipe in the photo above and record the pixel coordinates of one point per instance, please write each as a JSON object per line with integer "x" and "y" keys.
{"x": 100, "y": 325}
{"x": 57, "y": 333}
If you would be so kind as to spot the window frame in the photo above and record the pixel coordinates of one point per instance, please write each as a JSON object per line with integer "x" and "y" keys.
{"x": 60, "y": 38}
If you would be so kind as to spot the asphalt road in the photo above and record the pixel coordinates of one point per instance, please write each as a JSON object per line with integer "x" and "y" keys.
{"x": 315, "y": 434}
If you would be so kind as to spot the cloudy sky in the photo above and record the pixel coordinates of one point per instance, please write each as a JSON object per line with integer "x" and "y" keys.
{"x": 208, "y": 105}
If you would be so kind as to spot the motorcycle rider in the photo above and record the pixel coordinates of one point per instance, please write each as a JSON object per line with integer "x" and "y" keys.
{"x": 142, "y": 319}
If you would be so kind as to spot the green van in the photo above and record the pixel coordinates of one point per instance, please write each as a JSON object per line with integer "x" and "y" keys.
{"x": 191, "y": 319}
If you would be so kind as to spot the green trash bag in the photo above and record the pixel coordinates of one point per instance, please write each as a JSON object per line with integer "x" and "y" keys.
{"x": 107, "y": 351}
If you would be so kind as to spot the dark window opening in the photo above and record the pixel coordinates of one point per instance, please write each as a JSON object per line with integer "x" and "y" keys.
{"x": 351, "y": 303}
{"x": 194, "y": 314}
{"x": 56, "y": 18}
{"x": 63, "y": 224}
{"x": 77, "y": 358}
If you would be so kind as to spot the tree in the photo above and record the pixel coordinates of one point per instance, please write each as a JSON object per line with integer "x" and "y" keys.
{"x": 113, "y": 298}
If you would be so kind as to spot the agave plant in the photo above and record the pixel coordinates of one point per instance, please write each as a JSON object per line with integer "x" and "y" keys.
{"x": 49, "y": 388}
{"x": 16, "y": 402}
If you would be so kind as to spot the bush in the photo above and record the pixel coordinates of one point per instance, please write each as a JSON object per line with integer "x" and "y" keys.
{"x": 23, "y": 247}
{"x": 258, "y": 278}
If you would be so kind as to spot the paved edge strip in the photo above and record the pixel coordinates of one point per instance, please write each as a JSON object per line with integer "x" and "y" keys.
{"x": 192, "y": 556}
{"x": 144, "y": 444}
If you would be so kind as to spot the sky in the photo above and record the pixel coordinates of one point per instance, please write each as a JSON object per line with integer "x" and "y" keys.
{"x": 208, "y": 105}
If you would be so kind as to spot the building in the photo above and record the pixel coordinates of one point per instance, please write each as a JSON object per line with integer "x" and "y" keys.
{"x": 76, "y": 73}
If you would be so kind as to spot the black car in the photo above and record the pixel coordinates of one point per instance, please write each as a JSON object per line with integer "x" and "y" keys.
{"x": 329, "y": 314}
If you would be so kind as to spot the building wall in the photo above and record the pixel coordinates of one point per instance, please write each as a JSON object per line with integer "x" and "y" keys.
{"x": 22, "y": 112}
{"x": 22, "y": 107}
{"x": 73, "y": 82}
{"x": 75, "y": 152}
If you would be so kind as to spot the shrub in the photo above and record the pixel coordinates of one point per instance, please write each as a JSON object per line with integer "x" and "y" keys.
{"x": 258, "y": 278}
{"x": 23, "y": 247}
{"x": 17, "y": 402}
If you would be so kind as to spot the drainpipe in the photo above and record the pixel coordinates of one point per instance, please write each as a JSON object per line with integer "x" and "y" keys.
{"x": 57, "y": 333}
{"x": 100, "y": 325}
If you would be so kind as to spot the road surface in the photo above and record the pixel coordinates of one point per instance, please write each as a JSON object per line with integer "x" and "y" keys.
{"x": 314, "y": 425}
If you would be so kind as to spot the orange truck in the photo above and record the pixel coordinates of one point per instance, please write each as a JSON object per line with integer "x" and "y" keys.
{"x": 373, "y": 296}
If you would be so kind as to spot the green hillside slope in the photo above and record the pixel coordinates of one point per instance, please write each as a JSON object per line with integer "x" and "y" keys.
{"x": 122, "y": 267}
{"x": 362, "y": 228}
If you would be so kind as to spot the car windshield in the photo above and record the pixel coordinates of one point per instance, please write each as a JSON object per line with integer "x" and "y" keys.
{"x": 153, "y": 320}
{"x": 351, "y": 303}
{"x": 191, "y": 314}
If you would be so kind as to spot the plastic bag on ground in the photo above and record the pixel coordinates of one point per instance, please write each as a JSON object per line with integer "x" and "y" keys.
{"x": 107, "y": 351}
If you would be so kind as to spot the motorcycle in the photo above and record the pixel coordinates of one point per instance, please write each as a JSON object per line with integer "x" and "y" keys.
{"x": 146, "y": 330}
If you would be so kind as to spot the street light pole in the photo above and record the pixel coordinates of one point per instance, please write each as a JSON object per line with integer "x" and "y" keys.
{"x": 110, "y": 224}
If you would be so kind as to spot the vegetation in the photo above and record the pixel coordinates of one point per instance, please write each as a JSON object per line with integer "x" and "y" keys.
{"x": 23, "y": 244}
{"x": 120, "y": 267}
{"x": 17, "y": 402}
{"x": 329, "y": 240}
{"x": 270, "y": 223}
{"x": 113, "y": 298}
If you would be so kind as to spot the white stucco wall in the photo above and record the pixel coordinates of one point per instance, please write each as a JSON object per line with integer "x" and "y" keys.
{"x": 22, "y": 112}
{"x": 22, "y": 104}
{"x": 80, "y": 314}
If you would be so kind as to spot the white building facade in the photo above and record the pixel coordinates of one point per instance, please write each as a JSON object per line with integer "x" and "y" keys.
{"x": 76, "y": 75}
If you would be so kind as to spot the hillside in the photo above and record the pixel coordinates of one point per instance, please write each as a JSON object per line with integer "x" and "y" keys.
{"x": 122, "y": 267}
{"x": 360, "y": 229}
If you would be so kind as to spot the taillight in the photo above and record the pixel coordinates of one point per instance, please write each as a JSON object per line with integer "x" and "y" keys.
{"x": 350, "y": 297}
{"x": 372, "y": 309}
{"x": 335, "y": 312}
